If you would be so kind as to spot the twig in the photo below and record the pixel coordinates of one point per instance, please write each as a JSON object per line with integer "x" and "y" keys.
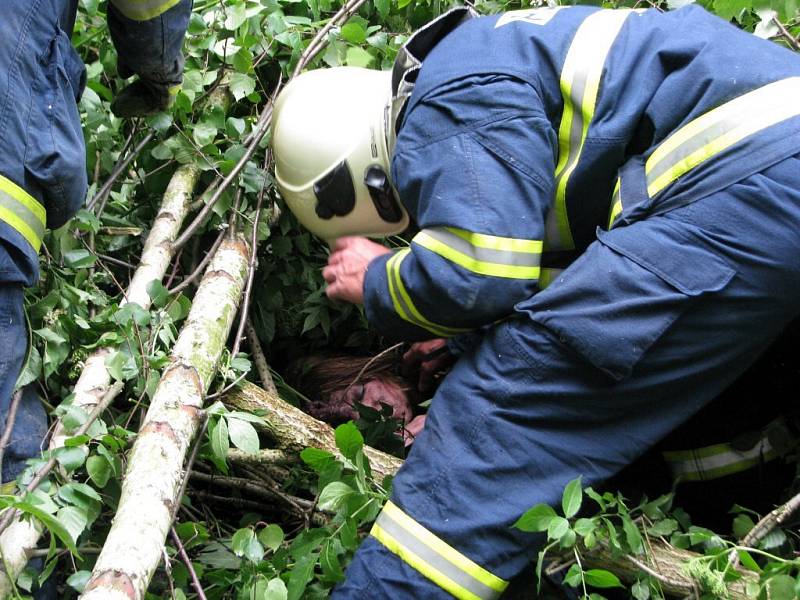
{"x": 770, "y": 521}
{"x": 372, "y": 361}
{"x": 186, "y": 561}
{"x": 48, "y": 466}
{"x": 688, "y": 587}
{"x": 270, "y": 492}
{"x": 787, "y": 35}
{"x": 259, "y": 358}
{"x": 239, "y": 503}
{"x": 119, "y": 169}
{"x": 251, "y": 149}
{"x": 12, "y": 416}
{"x": 227, "y": 388}
{"x": 200, "y": 267}
{"x": 251, "y": 271}
{"x": 190, "y": 463}
{"x": 113, "y": 260}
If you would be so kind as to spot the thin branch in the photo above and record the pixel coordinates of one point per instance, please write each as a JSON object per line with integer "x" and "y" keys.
{"x": 770, "y": 521}
{"x": 186, "y": 561}
{"x": 251, "y": 149}
{"x": 259, "y": 358}
{"x": 674, "y": 583}
{"x": 44, "y": 471}
{"x": 12, "y": 416}
{"x": 201, "y": 267}
{"x": 787, "y": 35}
{"x": 372, "y": 361}
{"x": 190, "y": 463}
{"x": 119, "y": 169}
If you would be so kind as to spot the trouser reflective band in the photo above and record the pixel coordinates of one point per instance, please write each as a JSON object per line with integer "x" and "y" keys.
{"x": 22, "y": 212}
{"x": 715, "y": 131}
{"x": 439, "y": 562}
{"x": 143, "y": 10}
{"x": 719, "y": 460}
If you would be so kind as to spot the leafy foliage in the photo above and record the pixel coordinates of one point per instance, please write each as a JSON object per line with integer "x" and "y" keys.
{"x": 248, "y": 47}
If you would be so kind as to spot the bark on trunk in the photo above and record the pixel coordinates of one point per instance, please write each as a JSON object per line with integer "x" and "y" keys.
{"x": 134, "y": 545}
{"x": 293, "y": 430}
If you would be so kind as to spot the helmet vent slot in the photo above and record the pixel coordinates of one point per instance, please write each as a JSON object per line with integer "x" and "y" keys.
{"x": 380, "y": 190}
{"x": 336, "y": 196}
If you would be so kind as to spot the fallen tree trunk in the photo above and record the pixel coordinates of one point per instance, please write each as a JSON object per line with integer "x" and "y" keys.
{"x": 293, "y": 430}
{"x": 94, "y": 382}
{"x": 134, "y": 546}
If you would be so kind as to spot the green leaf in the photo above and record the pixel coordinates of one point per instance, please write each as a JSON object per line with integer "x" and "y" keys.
{"x": 600, "y": 578}
{"x": 747, "y": 561}
{"x": 354, "y": 33}
{"x": 99, "y": 470}
{"x": 276, "y": 590}
{"x": 632, "y": 535}
{"x": 243, "y": 435}
{"x": 383, "y": 7}
{"x": 558, "y": 527}
{"x": 742, "y": 524}
{"x": 32, "y": 369}
{"x": 245, "y": 544}
{"x": 537, "y": 518}
{"x": 219, "y": 441}
{"x": 241, "y": 85}
{"x": 271, "y": 537}
{"x": 317, "y": 459}
{"x": 663, "y": 528}
{"x": 300, "y": 576}
{"x": 781, "y": 587}
{"x": 358, "y": 57}
{"x": 334, "y": 495}
{"x": 78, "y": 580}
{"x": 572, "y": 497}
{"x": 584, "y": 527}
{"x": 71, "y": 458}
{"x": 641, "y": 590}
{"x": 329, "y": 561}
{"x": 79, "y": 259}
{"x": 73, "y": 519}
{"x": 349, "y": 440}
{"x": 236, "y": 15}
{"x": 204, "y": 133}
{"x": 574, "y": 576}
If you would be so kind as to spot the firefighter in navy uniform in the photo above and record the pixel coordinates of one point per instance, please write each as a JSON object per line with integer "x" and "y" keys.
{"x": 610, "y": 198}
{"x": 43, "y": 178}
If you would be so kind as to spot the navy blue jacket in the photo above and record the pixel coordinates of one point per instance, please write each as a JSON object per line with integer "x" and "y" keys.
{"x": 521, "y": 127}
{"x": 42, "y": 152}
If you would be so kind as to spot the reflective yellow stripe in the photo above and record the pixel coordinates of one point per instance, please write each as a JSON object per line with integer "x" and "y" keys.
{"x": 434, "y": 558}
{"x": 719, "y": 460}
{"x": 580, "y": 83}
{"x": 142, "y": 10}
{"x": 404, "y": 306}
{"x": 484, "y": 254}
{"x": 720, "y": 128}
{"x": 616, "y": 205}
{"x": 21, "y": 211}
{"x": 548, "y": 276}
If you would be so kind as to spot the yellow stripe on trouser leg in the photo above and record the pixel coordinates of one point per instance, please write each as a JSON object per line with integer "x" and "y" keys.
{"x": 21, "y": 211}
{"x": 434, "y": 558}
{"x": 143, "y": 10}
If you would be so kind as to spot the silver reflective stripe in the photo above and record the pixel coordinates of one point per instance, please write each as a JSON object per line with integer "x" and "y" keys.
{"x": 434, "y": 558}
{"x": 719, "y": 129}
{"x": 580, "y": 85}
{"x": 716, "y": 461}
{"x": 478, "y": 253}
{"x": 142, "y": 10}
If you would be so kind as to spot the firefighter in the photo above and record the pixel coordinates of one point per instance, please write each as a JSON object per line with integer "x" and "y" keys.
{"x": 608, "y": 205}
{"x": 43, "y": 178}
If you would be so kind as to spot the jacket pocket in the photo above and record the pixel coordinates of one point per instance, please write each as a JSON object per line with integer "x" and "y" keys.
{"x": 626, "y": 290}
{"x": 55, "y": 155}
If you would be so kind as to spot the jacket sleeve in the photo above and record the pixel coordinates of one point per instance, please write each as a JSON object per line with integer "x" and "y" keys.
{"x": 148, "y": 35}
{"x": 474, "y": 166}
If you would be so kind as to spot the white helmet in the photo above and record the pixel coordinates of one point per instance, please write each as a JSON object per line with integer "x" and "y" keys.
{"x": 331, "y": 155}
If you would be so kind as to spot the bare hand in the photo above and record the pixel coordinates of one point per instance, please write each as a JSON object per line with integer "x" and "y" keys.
{"x": 347, "y": 266}
{"x": 425, "y": 361}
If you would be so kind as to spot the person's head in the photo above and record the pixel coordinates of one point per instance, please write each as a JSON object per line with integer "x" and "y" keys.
{"x": 329, "y": 138}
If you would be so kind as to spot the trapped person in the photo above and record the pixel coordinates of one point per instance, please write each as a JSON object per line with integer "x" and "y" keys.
{"x": 43, "y": 178}
{"x": 611, "y": 198}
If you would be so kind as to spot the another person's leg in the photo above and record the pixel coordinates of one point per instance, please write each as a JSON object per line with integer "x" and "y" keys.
{"x": 650, "y": 324}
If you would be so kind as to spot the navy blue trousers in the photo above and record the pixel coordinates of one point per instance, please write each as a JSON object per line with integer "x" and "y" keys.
{"x": 30, "y": 425}
{"x": 646, "y": 327}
